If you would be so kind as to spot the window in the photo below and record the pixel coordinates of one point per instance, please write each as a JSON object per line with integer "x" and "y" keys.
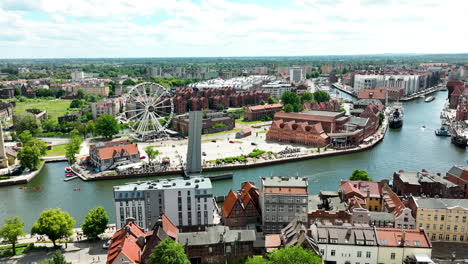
{"x": 368, "y": 254}
{"x": 448, "y": 227}
{"x": 179, "y": 193}
{"x": 436, "y": 218}
{"x": 456, "y": 218}
{"x": 455, "y": 228}
{"x": 417, "y": 243}
{"x": 332, "y": 253}
{"x": 322, "y": 252}
{"x": 180, "y": 218}
{"x": 434, "y": 226}
{"x": 433, "y": 237}
{"x": 454, "y": 237}
{"x": 447, "y": 237}
{"x": 440, "y": 236}
{"x": 441, "y": 227}
{"x": 428, "y": 217}
{"x": 449, "y": 218}
{"x": 392, "y": 256}
{"x": 420, "y": 225}
{"x": 442, "y": 217}
{"x": 464, "y": 219}
{"x": 421, "y": 217}
{"x": 462, "y": 238}
{"x": 359, "y": 254}
{"x": 428, "y": 226}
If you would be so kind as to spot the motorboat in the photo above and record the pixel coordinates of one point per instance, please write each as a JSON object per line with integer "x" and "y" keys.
{"x": 429, "y": 99}
{"x": 395, "y": 118}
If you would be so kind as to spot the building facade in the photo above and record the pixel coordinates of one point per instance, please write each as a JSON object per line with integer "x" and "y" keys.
{"x": 110, "y": 155}
{"x": 187, "y": 202}
{"x": 258, "y": 112}
{"x": 281, "y": 199}
{"x": 458, "y": 175}
{"x": 212, "y": 122}
{"x": 296, "y": 75}
{"x": 241, "y": 209}
{"x": 442, "y": 219}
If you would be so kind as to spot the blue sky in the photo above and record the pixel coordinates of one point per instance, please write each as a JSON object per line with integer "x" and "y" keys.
{"x": 206, "y": 28}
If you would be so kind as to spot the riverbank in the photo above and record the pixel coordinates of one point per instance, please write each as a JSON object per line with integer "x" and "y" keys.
{"x": 421, "y": 93}
{"x": 374, "y": 140}
{"x": 23, "y": 178}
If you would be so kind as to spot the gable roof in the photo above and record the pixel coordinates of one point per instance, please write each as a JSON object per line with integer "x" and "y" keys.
{"x": 124, "y": 242}
{"x": 229, "y": 203}
{"x": 394, "y": 237}
{"x": 110, "y": 152}
{"x": 362, "y": 188}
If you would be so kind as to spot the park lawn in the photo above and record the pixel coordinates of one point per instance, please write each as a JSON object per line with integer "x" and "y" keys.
{"x": 57, "y": 150}
{"x": 54, "y": 108}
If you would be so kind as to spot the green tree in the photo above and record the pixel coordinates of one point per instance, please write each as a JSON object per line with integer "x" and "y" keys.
{"x": 57, "y": 258}
{"x": 25, "y": 136}
{"x": 307, "y": 97}
{"x": 73, "y": 148}
{"x": 95, "y": 223}
{"x": 91, "y": 127}
{"x": 11, "y": 230}
{"x": 55, "y": 224}
{"x": 27, "y": 121}
{"x": 80, "y": 94}
{"x": 262, "y": 102}
{"x": 107, "y": 126}
{"x": 272, "y": 100}
{"x": 321, "y": 96}
{"x": 292, "y": 99}
{"x": 381, "y": 118}
{"x": 77, "y": 103}
{"x": 151, "y": 152}
{"x": 289, "y": 108}
{"x": 41, "y": 145}
{"x": 29, "y": 157}
{"x": 294, "y": 255}
{"x": 168, "y": 252}
{"x": 257, "y": 260}
{"x": 360, "y": 175}
{"x": 220, "y": 107}
{"x": 50, "y": 125}
{"x": 128, "y": 82}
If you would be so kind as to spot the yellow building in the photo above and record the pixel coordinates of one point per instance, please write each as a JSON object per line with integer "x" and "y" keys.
{"x": 365, "y": 194}
{"x": 403, "y": 246}
{"x": 442, "y": 219}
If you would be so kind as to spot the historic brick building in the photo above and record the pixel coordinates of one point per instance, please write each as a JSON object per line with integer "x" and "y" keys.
{"x": 458, "y": 175}
{"x": 457, "y": 91}
{"x": 241, "y": 209}
{"x": 258, "y": 112}
{"x": 212, "y": 122}
{"x": 298, "y": 133}
{"x": 186, "y": 99}
{"x": 332, "y": 105}
{"x": 425, "y": 183}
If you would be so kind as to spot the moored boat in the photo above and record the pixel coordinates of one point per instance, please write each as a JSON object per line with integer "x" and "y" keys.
{"x": 395, "y": 119}
{"x": 429, "y": 99}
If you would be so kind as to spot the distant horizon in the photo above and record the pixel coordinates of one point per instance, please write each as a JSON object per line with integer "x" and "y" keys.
{"x": 265, "y": 56}
{"x": 45, "y": 29}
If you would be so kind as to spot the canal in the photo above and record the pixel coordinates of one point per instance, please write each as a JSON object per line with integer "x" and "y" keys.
{"x": 410, "y": 148}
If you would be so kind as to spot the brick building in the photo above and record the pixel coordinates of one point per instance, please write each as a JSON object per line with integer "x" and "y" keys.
{"x": 458, "y": 175}
{"x": 111, "y": 106}
{"x": 425, "y": 183}
{"x": 109, "y": 155}
{"x": 241, "y": 209}
{"x": 332, "y": 105}
{"x": 298, "y": 133}
{"x": 258, "y": 112}
{"x": 363, "y": 194}
{"x": 212, "y": 122}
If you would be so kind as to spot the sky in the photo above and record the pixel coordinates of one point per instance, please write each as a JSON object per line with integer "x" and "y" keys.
{"x": 216, "y": 28}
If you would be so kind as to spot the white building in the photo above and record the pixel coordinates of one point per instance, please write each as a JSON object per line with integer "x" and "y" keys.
{"x": 277, "y": 88}
{"x": 187, "y": 202}
{"x": 367, "y": 81}
{"x": 296, "y": 74}
{"x": 77, "y": 75}
{"x": 155, "y": 71}
{"x": 346, "y": 244}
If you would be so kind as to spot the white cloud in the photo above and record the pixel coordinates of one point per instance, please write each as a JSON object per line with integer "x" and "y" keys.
{"x": 90, "y": 28}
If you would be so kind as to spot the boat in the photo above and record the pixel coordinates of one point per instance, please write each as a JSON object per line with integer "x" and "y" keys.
{"x": 23, "y": 188}
{"x": 442, "y": 131}
{"x": 429, "y": 99}
{"x": 423, "y": 126}
{"x": 77, "y": 189}
{"x": 69, "y": 174}
{"x": 68, "y": 169}
{"x": 36, "y": 188}
{"x": 395, "y": 119}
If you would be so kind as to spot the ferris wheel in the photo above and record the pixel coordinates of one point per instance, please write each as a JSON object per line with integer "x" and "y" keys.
{"x": 148, "y": 110}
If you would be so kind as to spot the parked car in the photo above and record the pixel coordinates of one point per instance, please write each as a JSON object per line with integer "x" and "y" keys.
{"x": 214, "y": 141}
{"x": 230, "y": 141}
{"x": 204, "y": 153}
{"x": 253, "y": 144}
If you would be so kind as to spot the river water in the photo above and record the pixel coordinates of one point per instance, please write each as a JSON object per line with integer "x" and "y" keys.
{"x": 410, "y": 148}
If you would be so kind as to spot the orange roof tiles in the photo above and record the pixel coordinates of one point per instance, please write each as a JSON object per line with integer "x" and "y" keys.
{"x": 286, "y": 190}
{"x": 229, "y": 203}
{"x": 169, "y": 227}
{"x": 393, "y": 237}
{"x": 109, "y": 152}
{"x": 125, "y": 242}
{"x": 264, "y": 107}
{"x": 372, "y": 93}
{"x": 361, "y": 188}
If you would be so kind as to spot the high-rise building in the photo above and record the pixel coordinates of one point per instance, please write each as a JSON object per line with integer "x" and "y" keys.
{"x": 77, "y": 75}
{"x": 296, "y": 75}
{"x": 194, "y": 144}
{"x": 188, "y": 202}
{"x": 282, "y": 199}
{"x": 155, "y": 71}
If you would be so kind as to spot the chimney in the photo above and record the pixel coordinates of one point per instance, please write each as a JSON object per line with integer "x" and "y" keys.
{"x": 403, "y": 238}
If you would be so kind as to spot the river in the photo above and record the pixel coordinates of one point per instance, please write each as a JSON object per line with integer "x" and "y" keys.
{"x": 410, "y": 148}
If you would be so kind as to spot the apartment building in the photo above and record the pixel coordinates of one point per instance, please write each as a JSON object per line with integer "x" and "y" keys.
{"x": 281, "y": 199}
{"x": 296, "y": 74}
{"x": 188, "y": 202}
{"x": 397, "y": 246}
{"x": 442, "y": 219}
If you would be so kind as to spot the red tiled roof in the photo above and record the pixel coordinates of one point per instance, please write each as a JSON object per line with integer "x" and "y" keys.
{"x": 372, "y": 93}
{"x": 264, "y": 107}
{"x": 361, "y": 187}
{"x": 126, "y": 243}
{"x": 109, "y": 152}
{"x": 229, "y": 203}
{"x": 392, "y": 237}
{"x": 169, "y": 227}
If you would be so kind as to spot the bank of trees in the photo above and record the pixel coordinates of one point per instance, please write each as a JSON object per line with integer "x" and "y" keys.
{"x": 360, "y": 175}
{"x": 289, "y": 255}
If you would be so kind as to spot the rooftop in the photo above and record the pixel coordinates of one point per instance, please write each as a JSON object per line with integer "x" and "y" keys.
{"x": 215, "y": 235}
{"x": 393, "y": 237}
{"x": 284, "y": 181}
{"x": 164, "y": 184}
{"x": 416, "y": 178}
{"x": 440, "y": 203}
{"x": 345, "y": 234}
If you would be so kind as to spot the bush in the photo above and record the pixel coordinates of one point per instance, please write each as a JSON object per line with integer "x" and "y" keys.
{"x": 218, "y": 125}
{"x": 256, "y": 152}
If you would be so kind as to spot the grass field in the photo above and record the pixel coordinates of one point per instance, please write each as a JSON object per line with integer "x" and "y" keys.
{"x": 57, "y": 150}
{"x": 54, "y": 108}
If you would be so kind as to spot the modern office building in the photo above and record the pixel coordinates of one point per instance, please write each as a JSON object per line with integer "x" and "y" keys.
{"x": 188, "y": 202}
{"x": 442, "y": 219}
{"x": 281, "y": 199}
{"x": 277, "y": 88}
{"x": 296, "y": 75}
